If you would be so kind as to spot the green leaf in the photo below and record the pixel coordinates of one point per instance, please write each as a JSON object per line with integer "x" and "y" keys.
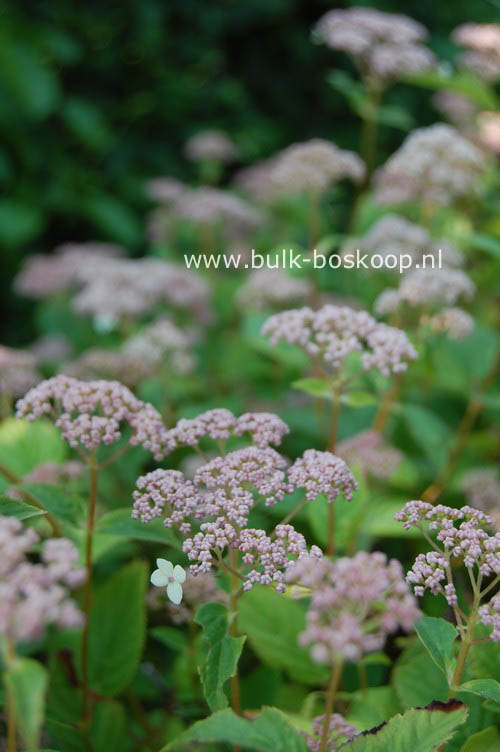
{"x": 270, "y": 732}
{"x": 117, "y": 629}
{"x": 463, "y": 82}
{"x": 358, "y": 399}
{"x": 170, "y": 637}
{"x": 315, "y": 387}
{"x": 87, "y": 123}
{"x": 414, "y": 663}
{"x": 25, "y": 445}
{"x": 372, "y": 706}
{"x": 65, "y": 506}
{"x": 487, "y": 740}
{"x": 272, "y": 624}
{"x": 114, "y": 219}
{"x": 483, "y": 242}
{"x": 438, "y": 636}
{"x": 487, "y": 688}
{"x": 19, "y": 223}
{"x": 223, "y": 654}
{"x": 120, "y": 523}
{"x": 26, "y": 681}
{"x": 108, "y": 728}
{"x": 19, "y": 509}
{"x": 417, "y": 730}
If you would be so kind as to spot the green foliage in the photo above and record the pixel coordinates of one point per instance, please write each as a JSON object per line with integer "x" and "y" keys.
{"x": 487, "y": 740}
{"x": 21, "y": 510}
{"x": 223, "y": 653}
{"x": 417, "y": 730}
{"x": 117, "y": 630}
{"x": 438, "y": 637}
{"x": 25, "y": 445}
{"x": 272, "y": 624}
{"x": 270, "y": 732}
{"x": 487, "y": 688}
{"x": 26, "y": 682}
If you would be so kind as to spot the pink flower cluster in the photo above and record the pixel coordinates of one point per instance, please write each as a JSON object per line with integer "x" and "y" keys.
{"x": 461, "y": 535}
{"x": 33, "y": 596}
{"x": 383, "y": 45}
{"x": 17, "y": 371}
{"x": 322, "y": 473}
{"x": 356, "y": 603}
{"x": 220, "y": 425}
{"x": 333, "y": 333}
{"x": 368, "y": 451}
{"x": 91, "y": 413}
{"x": 340, "y": 731}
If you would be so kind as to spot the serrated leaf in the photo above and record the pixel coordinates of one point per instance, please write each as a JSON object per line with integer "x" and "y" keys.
{"x": 116, "y": 630}
{"x": 416, "y": 730}
{"x": 414, "y": 663}
{"x": 272, "y": 624}
{"x": 315, "y": 387}
{"x": 19, "y": 509}
{"x": 223, "y": 653}
{"x": 26, "y": 681}
{"x": 270, "y": 732}
{"x": 438, "y": 637}
{"x": 487, "y": 688}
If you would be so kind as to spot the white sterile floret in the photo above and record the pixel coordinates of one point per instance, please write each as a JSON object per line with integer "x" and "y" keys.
{"x": 171, "y": 577}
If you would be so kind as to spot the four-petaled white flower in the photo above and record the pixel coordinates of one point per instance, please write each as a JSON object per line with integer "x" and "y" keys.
{"x": 171, "y": 576}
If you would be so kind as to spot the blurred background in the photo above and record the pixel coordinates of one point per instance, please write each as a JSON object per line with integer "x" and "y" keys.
{"x": 96, "y": 99}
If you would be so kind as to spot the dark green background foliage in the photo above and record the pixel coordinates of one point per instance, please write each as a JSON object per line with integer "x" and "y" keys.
{"x": 96, "y": 97}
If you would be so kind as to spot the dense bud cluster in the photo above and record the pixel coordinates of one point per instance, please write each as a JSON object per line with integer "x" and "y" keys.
{"x": 435, "y": 164}
{"x": 211, "y": 145}
{"x": 313, "y": 166}
{"x": 356, "y": 603}
{"x": 91, "y": 413}
{"x": 333, "y": 333}
{"x": 483, "y": 48}
{"x": 383, "y": 45}
{"x": 35, "y": 595}
{"x": 461, "y": 534}
{"x": 368, "y": 451}
{"x": 272, "y": 288}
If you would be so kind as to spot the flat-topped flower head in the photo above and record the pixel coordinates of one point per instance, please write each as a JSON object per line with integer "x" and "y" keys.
{"x": 314, "y": 166}
{"x": 271, "y": 289}
{"x": 92, "y": 413}
{"x": 211, "y": 145}
{"x": 211, "y": 206}
{"x": 393, "y": 235}
{"x": 322, "y": 473}
{"x": 453, "y": 321}
{"x": 459, "y": 534}
{"x": 164, "y": 189}
{"x": 356, "y": 603}
{"x": 334, "y": 333}
{"x": 36, "y": 595}
{"x": 427, "y": 287}
{"x": 436, "y": 165}
{"x": 102, "y": 363}
{"x": 128, "y": 288}
{"x": 170, "y": 577}
{"x": 368, "y": 451}
{"x": 482, "y": 43}
{"x": 384, "y": 45}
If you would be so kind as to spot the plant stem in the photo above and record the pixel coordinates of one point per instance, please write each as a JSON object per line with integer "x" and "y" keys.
{"x": 314, "y": 219}
{"x": 369, "y": 130}
{"x": 294, "y": 511}
{"x": 233, "y": 628}
{"x": 330, "y": 545}
{"x": 332, "y": 439}
{"x": 87, "y": 596}
{"x": 15, "y": 479}
{"x": 388, "y": 400}
{"x": 464, "y": 649}
{"x": 330, "y": 702}
{"x": 11, "y": 712}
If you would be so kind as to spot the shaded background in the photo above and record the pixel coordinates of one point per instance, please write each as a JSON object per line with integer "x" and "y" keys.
{"x": 97, "y": 97}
